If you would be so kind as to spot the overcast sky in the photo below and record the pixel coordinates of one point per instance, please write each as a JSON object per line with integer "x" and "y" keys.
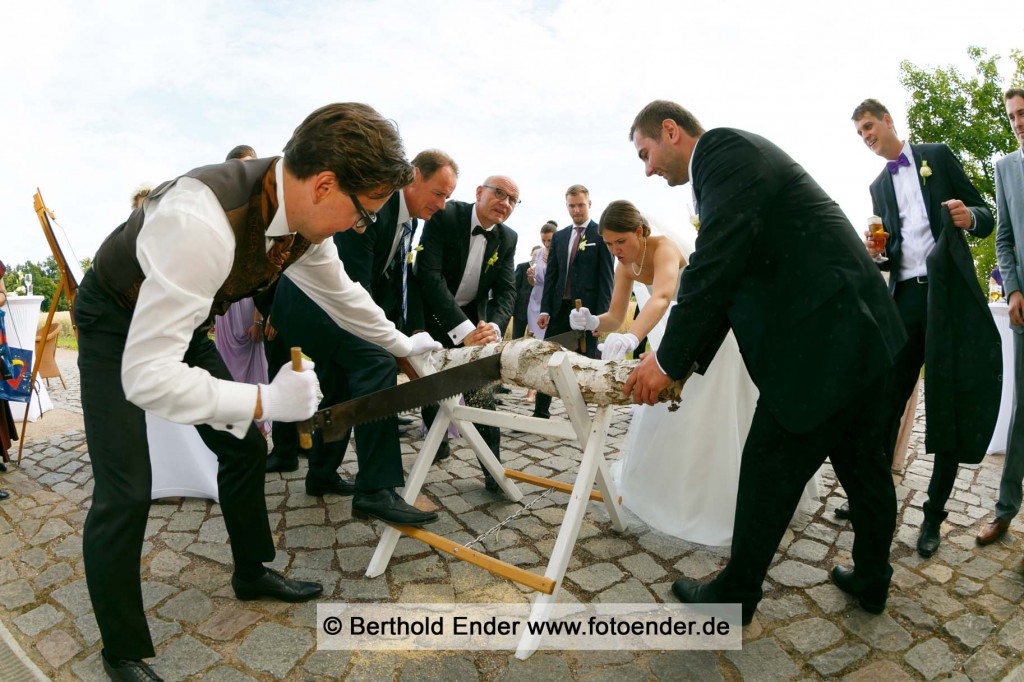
{"x": 96, "y": 98}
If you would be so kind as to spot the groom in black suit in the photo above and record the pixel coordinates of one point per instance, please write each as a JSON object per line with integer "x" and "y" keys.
{"x": 465, "y": 274}
{"x": 934, "y": 283}
{"x": 777, "y": 262}
{"x": 579, "y": 267}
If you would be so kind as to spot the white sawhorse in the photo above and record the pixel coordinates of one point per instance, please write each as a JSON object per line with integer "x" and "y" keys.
{"x": 591, "y": 435}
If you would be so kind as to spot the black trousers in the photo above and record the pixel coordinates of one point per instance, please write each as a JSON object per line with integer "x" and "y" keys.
{"x": 116, "y": 434}
{"x": 347, "y": 367}
{"x": 912, "y": 301}
{"x": 776, "y": 465}
{"x": 559, "y": 324}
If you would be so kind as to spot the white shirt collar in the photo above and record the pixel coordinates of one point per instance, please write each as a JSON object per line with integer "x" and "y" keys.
{"x": 403, "y": 208}
{"x": 279, "y": 225}
{"x": 689, "y": 171}
{"x": 909, "y": 154}
{"x": 475, "y": 222}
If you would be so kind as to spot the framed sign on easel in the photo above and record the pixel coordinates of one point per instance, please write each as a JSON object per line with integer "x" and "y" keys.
{"x": 70, "y": 275}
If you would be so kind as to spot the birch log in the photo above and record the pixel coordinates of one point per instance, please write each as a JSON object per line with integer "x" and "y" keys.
{"x": 524, "y": 362}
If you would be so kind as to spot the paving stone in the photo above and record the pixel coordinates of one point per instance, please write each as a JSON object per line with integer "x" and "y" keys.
{"x": 442, "y": 669}
{"x": 373, "y": 666}
{"x": 986, "y": 665}
{"x": 51, "y": 530}
{"x": 630, "y": 591}
{"x": 979, "y": 567}
{"x": 168, "y": 563}
{"x": 183, "y": 657}
{"x": 90, "y": 669}
{"x": 1012, "y": 635}
{"x": 698, "y": 565}
{"x": 219, "y": 553}
{"x": 642, "y": 567}
{"x": 7, "y": 571}
{"x": 596, "y": 577}
{"x": 16, "y": 594}
{"x": 162, "y": 630}
{"x": 939, "y": 573}
{"x": 664, "y": 546}
{"x": 838, "y": 659}
{"x": 227, "y": 622}
{"x": 782, "y": 608}
{"x": 364, "y": 590}
{"x": 186, "y": 521}
{"x": 913, "y": 612}
{"x": 427, "y": 568}
{"x": 970, "y": 629}
{"x": 87, "y": 628}
{"x": 309, "y": 537}
{"x": 57, "y": 573}
{"x": 821, "y": 532}
{"x": 226, "y": 674}
{"x": 190, "y": 606}
{"x": 329, "y": 664}
{"x": 68, "y": 547}
{"x": 606, "y": 547}
{"x": 938, "y": 601}
{"x": 965, "y": 587}
{"x": 810, "y": 635}
{"x": 808, "y": 550}
{"x": 880, "y": 632}
{"x": 686, "y": 665}
{"x": 354, "y": 559}
{"x": 274, "y": 648}
{"x": 797, "y": 574}
{"x": 888, "y": 671}
{"x": 540, "y": 667}
{"x": 320, "y": 559}
{"x": 57, "y": 648}
{"x": 358, "y": 533}
{"x": 35, "y": 558}
{"x": 763, "y": 660}
{"x": 311, "y": 516}
{"x": 38, "y": 619}
{"x": 153, "y": 593}
{"x": 1006, "y": 589}
{"x": 931, "y": 658}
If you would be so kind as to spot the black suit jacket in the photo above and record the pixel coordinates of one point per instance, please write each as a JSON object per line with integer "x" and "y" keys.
{"x": 523, "y": 291}
{"x": 777, "y": 261}
{"x": 592, "y": 272}
{"x": 947, "y": 181}
{"x": 442, "y": 261}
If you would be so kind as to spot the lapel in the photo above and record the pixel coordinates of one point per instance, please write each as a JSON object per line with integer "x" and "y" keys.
{"x": 934, "y": 221}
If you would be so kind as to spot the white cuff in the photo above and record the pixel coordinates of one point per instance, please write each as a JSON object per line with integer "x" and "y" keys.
{"x": 461, "y": 332}
{"x": 236, "y": 403}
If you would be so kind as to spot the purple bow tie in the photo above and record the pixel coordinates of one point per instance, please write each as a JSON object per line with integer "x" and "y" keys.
{"x": 894, "y": 166}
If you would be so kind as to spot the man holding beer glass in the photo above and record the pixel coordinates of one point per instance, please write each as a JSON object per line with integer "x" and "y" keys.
{"x": 910, "y": 196}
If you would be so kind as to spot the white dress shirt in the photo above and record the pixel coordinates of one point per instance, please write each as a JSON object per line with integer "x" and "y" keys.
{"x": 915, "y": 229}
{"x": 403, "y": 217}
{"x": 175, "y": 298}
{"x": 470, "y": 283}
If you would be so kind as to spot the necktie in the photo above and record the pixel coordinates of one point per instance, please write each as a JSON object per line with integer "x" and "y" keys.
{"x": 894, "y": 166}
{"x": 404, "y": 249}
{"x": 572, "y": 259}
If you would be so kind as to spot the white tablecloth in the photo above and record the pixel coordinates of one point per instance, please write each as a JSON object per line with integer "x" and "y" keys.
{"x": 21, "y": 322}
{"x": 1000, "y": 313}
{"x": 182, "y": 464}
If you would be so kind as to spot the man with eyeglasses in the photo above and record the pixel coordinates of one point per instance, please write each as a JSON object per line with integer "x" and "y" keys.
{"x": 466, "y": 275}
{"x": 212, "y": 236}
{"x": 579, "y": 267}
{"x": 348, "y": 366}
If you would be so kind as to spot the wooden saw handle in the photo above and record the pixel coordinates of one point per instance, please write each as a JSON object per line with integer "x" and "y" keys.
{"x": 305, "y": 437}
{"x": 583, "y": 334}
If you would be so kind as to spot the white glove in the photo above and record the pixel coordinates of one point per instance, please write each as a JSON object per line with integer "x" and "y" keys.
{"x": 582, "y": 319}
{"x": 291, "y": 396}
{"x": 422, "y": 342}
{"x": 618, "y": 346}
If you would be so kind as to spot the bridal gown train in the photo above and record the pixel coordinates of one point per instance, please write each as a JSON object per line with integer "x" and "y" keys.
{"x": 679, "y": 471}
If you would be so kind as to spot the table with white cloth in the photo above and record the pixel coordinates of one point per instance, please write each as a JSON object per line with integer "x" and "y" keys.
{"x": 1001, "y": 315}
{"x": 182, "y": 464}
{"x": 21, "y": 323}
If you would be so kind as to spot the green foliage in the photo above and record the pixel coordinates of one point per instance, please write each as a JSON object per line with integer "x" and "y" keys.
{"x": 968, "y": 114}
{"x": 45, "y": 279}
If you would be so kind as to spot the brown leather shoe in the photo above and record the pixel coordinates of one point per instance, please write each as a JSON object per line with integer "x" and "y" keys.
{"x": 993, "y": 531}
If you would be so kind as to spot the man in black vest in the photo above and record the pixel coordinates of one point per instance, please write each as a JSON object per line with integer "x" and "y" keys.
{"x": 212, "y": 236}
{"x": 918, "y": 184}
{"x": 777, "y": 262}
{"x": 465, "y": 275}
{"x": 349, "y": 367}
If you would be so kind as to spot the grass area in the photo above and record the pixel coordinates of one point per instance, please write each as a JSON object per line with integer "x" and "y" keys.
{"x": 66, "y": 339}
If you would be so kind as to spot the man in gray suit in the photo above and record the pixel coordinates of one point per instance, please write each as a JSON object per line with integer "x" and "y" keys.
{"x": 1010, "y": 232}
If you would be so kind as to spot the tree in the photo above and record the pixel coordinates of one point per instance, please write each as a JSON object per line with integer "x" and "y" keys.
{"x": 967, "y": 114}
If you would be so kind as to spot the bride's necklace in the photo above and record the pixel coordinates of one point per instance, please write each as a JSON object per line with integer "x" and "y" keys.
{"x": 636, "y": 271}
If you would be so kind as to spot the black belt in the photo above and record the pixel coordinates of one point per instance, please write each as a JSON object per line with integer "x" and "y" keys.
{"x": 914, "y": 280}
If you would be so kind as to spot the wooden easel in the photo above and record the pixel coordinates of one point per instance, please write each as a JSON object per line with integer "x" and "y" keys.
{"x": 67, "y": 287}
{"x": 591, "y": 435}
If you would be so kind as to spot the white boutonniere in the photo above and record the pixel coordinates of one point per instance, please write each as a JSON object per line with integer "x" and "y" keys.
{"x": 491, "y": 261}
{"x": 695, "y": 221}
{"x": 583, "y": 244}
{"x": 926, "y": 172}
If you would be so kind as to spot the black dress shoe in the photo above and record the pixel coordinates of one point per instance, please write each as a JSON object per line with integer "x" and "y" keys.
{"x": 871, "y": 599}
{"x": 389, "y": 507}
{"x": 443, "y": 451}
{"x": 690, "y": 592}
{"x": 276, "y": 462}
{"x": 4, "y": 494}
{"x": 128, "y": 671}
{"x": 275, "y": 586}
{"x": 843, "y": 511}
{"x": 340, "y": 487}
{"x": 929, "y": 539}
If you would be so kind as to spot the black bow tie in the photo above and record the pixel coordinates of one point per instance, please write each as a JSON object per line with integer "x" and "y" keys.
{"x": 488, "y": 234}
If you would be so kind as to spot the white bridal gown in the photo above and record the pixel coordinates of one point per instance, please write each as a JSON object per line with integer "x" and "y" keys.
{"x": 679, "y": 471}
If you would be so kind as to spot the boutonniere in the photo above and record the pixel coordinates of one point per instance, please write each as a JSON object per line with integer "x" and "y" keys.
{"x": 926, "y": 172}
{"x": 583, "y": 244}
{"x": 491, "y": 261}
{"x": 695, "y": 221}
{"x": 411, "y": 256}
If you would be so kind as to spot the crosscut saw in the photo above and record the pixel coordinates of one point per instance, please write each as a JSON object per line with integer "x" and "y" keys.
{"x": 335, "y": 421}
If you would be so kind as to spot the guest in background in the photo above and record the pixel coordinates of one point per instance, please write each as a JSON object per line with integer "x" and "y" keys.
{"x": 535, "y": 276}
{"x": 140, "y": 194}
{"x": 995, "y": 284}
{"x": 524, "y": 289}
{"x": 8, "y": 429}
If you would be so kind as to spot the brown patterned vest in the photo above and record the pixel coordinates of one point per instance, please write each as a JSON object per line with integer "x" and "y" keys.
{"x": 247, "y": 191}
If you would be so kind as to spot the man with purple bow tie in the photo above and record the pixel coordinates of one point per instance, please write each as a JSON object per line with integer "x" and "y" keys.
{"x": 927, "y": 203}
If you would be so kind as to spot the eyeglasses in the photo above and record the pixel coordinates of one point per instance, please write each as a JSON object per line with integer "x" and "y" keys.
{"x": 503, "y": 195}
{"x": 365, "y": 217}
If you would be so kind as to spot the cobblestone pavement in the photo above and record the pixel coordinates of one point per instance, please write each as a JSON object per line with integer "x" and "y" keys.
{"x": 958, "y": 615}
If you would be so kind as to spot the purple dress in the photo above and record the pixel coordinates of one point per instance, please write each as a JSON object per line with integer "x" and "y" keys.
{"x": 245, "y": 360}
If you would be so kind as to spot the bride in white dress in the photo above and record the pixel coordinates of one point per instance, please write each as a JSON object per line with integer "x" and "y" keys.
{"x": 678, "y": 471}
